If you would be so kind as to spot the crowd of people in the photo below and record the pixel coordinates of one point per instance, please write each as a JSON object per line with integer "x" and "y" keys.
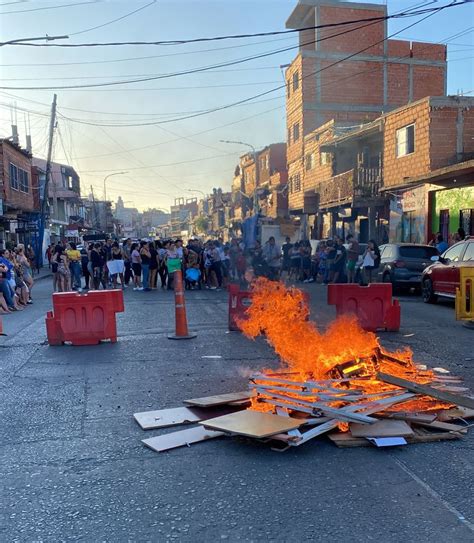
{"x": 16, "y": 278}
{"x": 145, "y": 265}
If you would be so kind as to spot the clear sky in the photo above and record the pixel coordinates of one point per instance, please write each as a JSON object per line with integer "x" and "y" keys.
{"x": 165, "y": 161}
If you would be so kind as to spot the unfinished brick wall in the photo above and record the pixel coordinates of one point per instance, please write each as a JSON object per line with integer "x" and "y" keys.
{"x": 15, "y": 198}
{"x": 321, "y": 169}
{"x": 416, "y": 163}
{"x": 439, "y": 124}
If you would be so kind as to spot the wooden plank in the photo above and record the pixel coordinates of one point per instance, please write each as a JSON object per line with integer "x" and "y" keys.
{"x": 456, "y": 413}
{"x": 368, "y": 409}
{"x": 253, "y": 423}
{"x": 427, "y": 390}
{"x": 163, "y": 418}
{"x": 180, "y": 439}
{"x": 445, "y": 426}
{"x": 409, "y": 417}
{"x": 381, "y": 428}
{"x": 220, "y": 399}
{"x": 345, "y": 439}
{"x": 423, "y": 435}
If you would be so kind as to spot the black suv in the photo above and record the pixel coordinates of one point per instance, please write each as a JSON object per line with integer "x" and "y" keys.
{"x": 402, "y": 264}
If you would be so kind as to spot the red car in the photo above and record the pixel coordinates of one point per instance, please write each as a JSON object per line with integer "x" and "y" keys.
{"x": 442, "y": 277}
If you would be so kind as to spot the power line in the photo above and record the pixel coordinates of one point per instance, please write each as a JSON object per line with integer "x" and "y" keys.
{"x": 48, "y": 7}
{"x": 192, "y": 71}
{"x": 114, "y": 20}
{"x": 250, "y": 98}
{"x": 241, "y": 36}
{"x": 214, "y": 49}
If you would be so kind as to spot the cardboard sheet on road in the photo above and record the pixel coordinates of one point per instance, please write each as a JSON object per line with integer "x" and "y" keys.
{"x": 180, "y": 439}
{"x": 220, "y": 399}
{"x": 253, "y": 424}
{"x": 382, "y": 428}
{"x": 162, "y": 418}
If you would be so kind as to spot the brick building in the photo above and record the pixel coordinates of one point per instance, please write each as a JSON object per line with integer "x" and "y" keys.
{"x": 18, "y": 206}
{"x": 323, "y": 84}
{"x": 429, "y": 166}
{"x": 403, "y": 176}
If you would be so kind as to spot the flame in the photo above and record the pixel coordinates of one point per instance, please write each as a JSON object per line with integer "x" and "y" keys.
{"x": 282, "y": 315}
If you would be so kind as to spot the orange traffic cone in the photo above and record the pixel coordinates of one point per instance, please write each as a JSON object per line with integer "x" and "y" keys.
{"x": 180, "y": 309}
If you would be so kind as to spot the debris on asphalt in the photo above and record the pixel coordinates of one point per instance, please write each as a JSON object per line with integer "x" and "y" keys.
{"x": 341, "y": 383}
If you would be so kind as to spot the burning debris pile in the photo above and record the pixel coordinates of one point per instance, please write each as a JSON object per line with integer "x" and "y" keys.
{"x": 340, "y": 382}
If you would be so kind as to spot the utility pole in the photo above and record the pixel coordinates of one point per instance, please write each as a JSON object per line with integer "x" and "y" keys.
{"x": 44, "y": 199}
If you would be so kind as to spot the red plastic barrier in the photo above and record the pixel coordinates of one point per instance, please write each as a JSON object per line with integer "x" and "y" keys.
{"x": 372, "y": 305}
{"x": 239, "y": 301}
{"x": 84, "y": 319}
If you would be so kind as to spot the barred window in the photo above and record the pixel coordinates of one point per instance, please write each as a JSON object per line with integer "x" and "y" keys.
{"x": 297, "y": 183}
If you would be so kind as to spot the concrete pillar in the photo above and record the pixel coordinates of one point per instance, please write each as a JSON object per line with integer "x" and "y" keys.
{"x": 372, "y": 222}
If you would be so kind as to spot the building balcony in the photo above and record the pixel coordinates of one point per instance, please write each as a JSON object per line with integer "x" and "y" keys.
{"x": 367, "y": 185}
{"x": 336, "y": 191}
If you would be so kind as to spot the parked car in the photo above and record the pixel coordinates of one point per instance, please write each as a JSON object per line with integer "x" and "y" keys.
{"x": 442, "y": 277}
{"x": 402, "y": 264}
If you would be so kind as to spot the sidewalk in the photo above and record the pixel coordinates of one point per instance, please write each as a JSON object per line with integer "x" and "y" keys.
{"x": 45, "y": 272}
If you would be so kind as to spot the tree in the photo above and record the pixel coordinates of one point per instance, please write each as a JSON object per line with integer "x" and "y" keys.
{"x": 201, "y": 224}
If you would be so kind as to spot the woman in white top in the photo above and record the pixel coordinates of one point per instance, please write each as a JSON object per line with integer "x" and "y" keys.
{"x": 371, "y": 261}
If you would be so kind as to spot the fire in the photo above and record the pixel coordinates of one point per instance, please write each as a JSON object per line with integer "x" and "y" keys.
{"x": 344, "y": 353}
{"x": 282, "y": 314}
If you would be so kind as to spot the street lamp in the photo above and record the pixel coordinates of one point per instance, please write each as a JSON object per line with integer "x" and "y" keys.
{"x": 196, "y": 190}
{"x": 105, "y": 179}
{"x": 257, "y": 176}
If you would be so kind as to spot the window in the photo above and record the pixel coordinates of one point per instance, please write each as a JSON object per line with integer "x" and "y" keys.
{"x": 309, "y": 161}
{"x": 469, "y": 254}
{"x": 297, "y": 183}
{"x": 296, "y": 81}
{"x": 296, "y": 132}
{"x": 288, "y": 88}
{"x": 14, "y": 182}
{"x": 406, "y": 140}
{"x": 19, "y": 179}
{"x": 290, "y": 185}
{"x": 23, "y": 178}
{"x": 454, "y": 252}
{"x": 424, "y": 253}
{"x": 325, "y": 158}
{"x": 264, "y": 162}
{"x": 289, "y": 136}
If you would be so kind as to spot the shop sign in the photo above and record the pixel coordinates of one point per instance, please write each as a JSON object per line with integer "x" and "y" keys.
{"x": 414, "y": 200}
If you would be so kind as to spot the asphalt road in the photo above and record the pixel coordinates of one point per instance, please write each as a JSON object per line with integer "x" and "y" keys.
{"x": 73, "y": 468}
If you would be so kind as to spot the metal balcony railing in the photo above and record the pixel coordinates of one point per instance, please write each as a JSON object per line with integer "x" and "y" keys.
{"x": 337, "y": 190}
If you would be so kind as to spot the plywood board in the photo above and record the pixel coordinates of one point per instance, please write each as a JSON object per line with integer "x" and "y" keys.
{"x": 252, "y": 424}
{"x": 220, "y": 399}
{"x": 162, "y": 418}
{"x": 180, "y": 439}
{"x": 381, "y": 428}
{"x": 148, "y": 420}
{"x": 448, "y": 397}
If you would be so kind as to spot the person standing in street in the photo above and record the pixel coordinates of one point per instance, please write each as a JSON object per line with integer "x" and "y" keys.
{"x": 116, "y": 265}
{"x": 74, "y": 258}
{"x": 285, "y": 250}
{"x": 85, "y": 267}
{"x": 26, "y": 268}
{"x": 352, "y": 257}
{"x": 146, "y": 259}
{"x": 441, "y": 245}
{"x": 153, "y": 265}
{"x": 127, "y": 260}
{"x": 272, "y": 255}
{"x": 371, "y": 261}
{"x": 339, "y": 264}
{"x": 136, "y": 266}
